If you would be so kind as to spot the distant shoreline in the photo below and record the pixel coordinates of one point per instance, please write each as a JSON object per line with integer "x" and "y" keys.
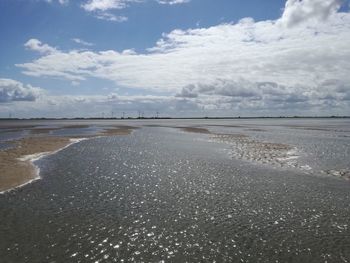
{"x": 183, "y": 118}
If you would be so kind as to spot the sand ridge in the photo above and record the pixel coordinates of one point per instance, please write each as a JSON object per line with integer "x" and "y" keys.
{"x": 16, "y": 163}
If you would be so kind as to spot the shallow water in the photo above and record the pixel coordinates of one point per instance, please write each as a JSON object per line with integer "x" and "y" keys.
{"x": 5, "y": 146}
{"x": 163, "y": 194}
{"x": 11, "y": 135}
{"x": 77, "y": 131}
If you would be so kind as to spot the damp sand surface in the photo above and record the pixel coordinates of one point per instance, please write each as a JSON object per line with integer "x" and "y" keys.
{"x": 14, "y": 171}
{"x": 16, "y": 166}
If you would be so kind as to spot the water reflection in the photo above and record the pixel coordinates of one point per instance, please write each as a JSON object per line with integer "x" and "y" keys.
{"x": 144, "y": 198}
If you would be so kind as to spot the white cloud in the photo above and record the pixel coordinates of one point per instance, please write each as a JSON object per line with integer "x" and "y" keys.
{"x": 101, "y": 8}
{"x": 12, "y": 90}
{"x": 173, "y": 2}
{"x": 97, "y": 106}
{"x": 110, "y": 17}
{"x": 297, "y": 12}
{"x": 82, "y": 42}
{"x": 36, "y": 45}
{"x": 104, "y": 5}
{"x": 247, "y": 65}
{"x": 212, "y": 105}
{"x": 62, "y": 2}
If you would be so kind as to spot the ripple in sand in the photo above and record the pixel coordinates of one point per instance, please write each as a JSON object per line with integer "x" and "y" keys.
{"x": 247, "y": 148}
{"x": 342, "y": 173}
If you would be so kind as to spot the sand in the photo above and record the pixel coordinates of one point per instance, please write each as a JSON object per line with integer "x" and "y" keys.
{"x": 246, "y": 148}
{"x": 118, "y": 130}
{"x": 195, "y": 130}
{"x": 16, "y": 167}
{"x": 13, "y": 171}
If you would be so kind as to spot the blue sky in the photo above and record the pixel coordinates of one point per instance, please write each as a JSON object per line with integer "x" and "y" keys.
{"x": 64, "y": 58}
{"x": 21, "y": 20}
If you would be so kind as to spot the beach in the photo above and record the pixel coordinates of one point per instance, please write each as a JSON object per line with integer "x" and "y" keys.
{"x": 17, "y": 167}
{"x": 177, "y": 191}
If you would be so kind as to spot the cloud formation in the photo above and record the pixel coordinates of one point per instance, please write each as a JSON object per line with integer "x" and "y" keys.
{"x": 12, "y": 90}
{"x": 104, "y": 5}
{"x": 101, "y": 9}
{"x": 297, "y": 12}
{"x": 62, "y": 2}
{"x": 278, "y": 64}
{"x": 172, "y": 2}
{"x": 82, "y": 42}
{"x": 110, "y": 17}
{"x": 36, "y": 45}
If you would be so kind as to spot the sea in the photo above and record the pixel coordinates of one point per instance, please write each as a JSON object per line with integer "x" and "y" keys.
{"x": 248, "y": 190}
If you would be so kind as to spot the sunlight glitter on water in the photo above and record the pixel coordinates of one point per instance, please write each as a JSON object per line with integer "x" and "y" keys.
{"x": 121, "y": 199}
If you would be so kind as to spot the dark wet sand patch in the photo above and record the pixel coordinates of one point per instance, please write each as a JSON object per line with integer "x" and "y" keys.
{"x": 15, "y": 129}
{"x": 227, "y": 126}
{"x": 156, "y": 125}
{"x": 82, "y": 126}
{"x": 308, "y": 128}
{"x": 47, "y": 130}
{"x": 195, "y": 130}
{"x": 311, "y": 128}
{"x": 342, "y": 173}
{"x": 118, "y": 130}
{"x": 43, "y": 130}
{"x": 35, "y": 129}
{"x": 256, "y": 130}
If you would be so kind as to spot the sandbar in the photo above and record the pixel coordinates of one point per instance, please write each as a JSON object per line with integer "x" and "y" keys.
{"x": 16, "y": 163}
{"x": 14, "y": 171}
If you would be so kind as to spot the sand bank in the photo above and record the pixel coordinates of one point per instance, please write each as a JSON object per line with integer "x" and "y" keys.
{"x": 16, "y": 164}
{"x": 195, "y": 130}
{"x": 16, "y": 167}
{"x": 246, "y": 148}
{"x": 118, "y": 130}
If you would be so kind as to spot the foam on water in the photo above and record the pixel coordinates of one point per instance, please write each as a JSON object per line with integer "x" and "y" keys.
{"x": 32, "y": 158}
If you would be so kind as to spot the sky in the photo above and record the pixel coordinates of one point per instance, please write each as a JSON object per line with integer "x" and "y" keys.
{"x": 180, "y": 58}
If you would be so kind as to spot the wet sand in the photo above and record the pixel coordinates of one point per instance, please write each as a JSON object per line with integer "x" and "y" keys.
{"x": 16, "y": 167}
{"x": 15, "y": 172}
{"x": 195, "y": 130}
{"x": 35, "y": 131}
{"x": 118, "y": 130}
{"x": 246, "y": 148}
